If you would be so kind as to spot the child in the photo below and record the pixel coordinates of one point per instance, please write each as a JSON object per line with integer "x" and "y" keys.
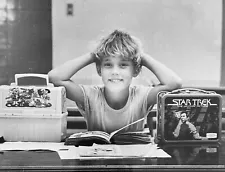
{"x": 118, "y": 59}
{"x": 185, "y": 130}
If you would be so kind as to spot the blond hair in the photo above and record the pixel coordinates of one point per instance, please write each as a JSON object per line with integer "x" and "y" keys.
{"x": 120, "y": 43}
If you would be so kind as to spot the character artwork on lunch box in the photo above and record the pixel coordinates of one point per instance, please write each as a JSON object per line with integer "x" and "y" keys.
{"x": 189, "y": 115}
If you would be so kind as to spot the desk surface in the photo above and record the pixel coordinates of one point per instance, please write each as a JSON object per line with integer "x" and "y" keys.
{"x": 192, "y": 157}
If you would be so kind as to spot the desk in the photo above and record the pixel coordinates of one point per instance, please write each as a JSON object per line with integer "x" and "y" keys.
{"x": 204, "y": 157}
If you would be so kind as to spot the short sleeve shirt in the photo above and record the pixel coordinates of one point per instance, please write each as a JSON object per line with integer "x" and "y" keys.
{"x": 100, "y": 116}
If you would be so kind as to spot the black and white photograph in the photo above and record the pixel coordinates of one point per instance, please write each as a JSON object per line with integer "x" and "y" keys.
{"x": 112, "y": 85}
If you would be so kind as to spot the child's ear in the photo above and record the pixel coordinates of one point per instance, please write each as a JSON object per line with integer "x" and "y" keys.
{"x": 136, "y": 72}
{"x": 98, "y": 70}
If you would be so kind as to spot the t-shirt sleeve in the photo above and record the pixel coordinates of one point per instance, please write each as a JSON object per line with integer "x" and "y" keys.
{"x": 89, "y": 93}
{"x": 139, "y": 100}
{"x": 146, "y": 91}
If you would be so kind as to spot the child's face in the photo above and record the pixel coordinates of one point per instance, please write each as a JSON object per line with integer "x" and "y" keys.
{"x": 183, "y": 117}
{"x": 117, "y": 73}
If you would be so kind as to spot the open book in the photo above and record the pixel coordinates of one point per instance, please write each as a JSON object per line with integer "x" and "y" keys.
{"x": 99, "y": 137}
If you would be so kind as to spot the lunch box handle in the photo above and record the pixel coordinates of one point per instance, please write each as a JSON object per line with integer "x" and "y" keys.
{"x": 191, "y": 90}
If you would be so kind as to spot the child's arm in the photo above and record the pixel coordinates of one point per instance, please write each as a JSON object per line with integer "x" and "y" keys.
{"x": 61, "y": 76}
{"x": 167, "y": 78}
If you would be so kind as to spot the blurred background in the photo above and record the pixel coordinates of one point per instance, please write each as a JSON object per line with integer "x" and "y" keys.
{"x": 185, "y": 35}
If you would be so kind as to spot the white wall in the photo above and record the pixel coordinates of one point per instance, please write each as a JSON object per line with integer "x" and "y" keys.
{"x": 183, "y": 34}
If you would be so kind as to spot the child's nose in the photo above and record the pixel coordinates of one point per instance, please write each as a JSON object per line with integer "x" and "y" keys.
{"x": 115, "y": 70}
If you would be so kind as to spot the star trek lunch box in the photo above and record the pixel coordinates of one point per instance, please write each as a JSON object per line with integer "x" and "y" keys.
{"x": 189, "y": 115}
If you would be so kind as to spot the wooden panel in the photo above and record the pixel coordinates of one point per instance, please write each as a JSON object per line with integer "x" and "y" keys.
{"x": 25, "y": 37}
{"x": 222, "y": 74}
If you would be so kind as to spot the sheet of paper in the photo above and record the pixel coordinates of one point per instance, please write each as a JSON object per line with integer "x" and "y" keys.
{"x": 138, "y": 150}
{"x": 70, "y": 153}
{"x": 159, "y": 153}
{"x": 122, "y": 151}
{"x": 33, "y": 146}
{"x": 107, "y": 151}
{"x": 73, "y": 154}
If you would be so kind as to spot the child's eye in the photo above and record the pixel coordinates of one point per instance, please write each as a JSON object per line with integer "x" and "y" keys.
{"x": 107, "y": 65}
{"x": 123, "y": 65}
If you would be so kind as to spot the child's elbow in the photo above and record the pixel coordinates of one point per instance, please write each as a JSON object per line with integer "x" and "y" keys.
{"x": 176, "y": 84}
{"x": 52, "y": 76}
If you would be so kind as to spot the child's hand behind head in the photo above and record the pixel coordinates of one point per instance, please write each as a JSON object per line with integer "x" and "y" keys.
{"x": 95, "y": 57}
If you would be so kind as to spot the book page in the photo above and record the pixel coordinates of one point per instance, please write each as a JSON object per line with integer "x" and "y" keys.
{"x": 114, "y": 132}
{"x": 86, "y": 134}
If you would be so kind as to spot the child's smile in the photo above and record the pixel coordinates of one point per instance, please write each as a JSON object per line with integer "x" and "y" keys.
{"x": 117, "y": 73}
{"x": 115, "y": 80}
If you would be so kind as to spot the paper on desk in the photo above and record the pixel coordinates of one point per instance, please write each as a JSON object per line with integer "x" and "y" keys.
{"x": 72, "y": 152}
{"x": 33, "y": 146}
{"x": 159, "y": 153}
{"x": 111, "y": 151}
